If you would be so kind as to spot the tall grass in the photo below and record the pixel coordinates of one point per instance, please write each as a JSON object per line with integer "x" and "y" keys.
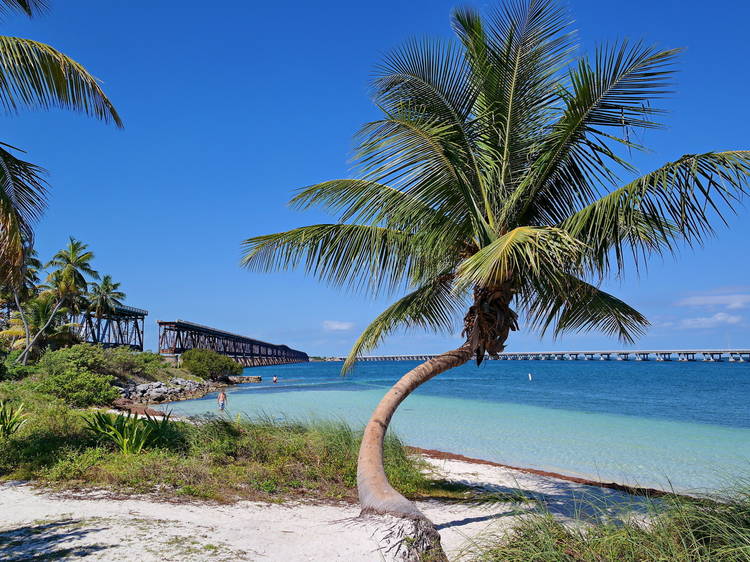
{"x": 678, "y": 529}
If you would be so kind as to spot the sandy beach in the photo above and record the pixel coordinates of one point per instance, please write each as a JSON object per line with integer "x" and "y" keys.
{"x": 36, "y": 523}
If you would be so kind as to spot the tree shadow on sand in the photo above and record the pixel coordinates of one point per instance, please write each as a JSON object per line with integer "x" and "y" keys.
{"x": 566, "y": 500}
{"x": 47, "y": 541}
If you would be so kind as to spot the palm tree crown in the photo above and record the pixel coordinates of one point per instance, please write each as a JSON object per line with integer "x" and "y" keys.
{"x": 490, "y": 187}
{"x": 105, "y": 296}
{"x": 72, "y": 267}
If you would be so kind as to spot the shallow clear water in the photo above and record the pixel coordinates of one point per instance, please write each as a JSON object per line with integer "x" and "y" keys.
{"x": 664, "y": 424}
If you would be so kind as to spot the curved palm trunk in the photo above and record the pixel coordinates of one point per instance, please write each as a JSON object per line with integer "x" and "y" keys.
{"x": 25, "y": 353}
{"x": 376, "y": 495}
{"x": 21, "y": 312}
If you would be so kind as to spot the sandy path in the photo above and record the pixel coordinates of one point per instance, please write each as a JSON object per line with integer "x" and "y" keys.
{"x": 35, "y": 524}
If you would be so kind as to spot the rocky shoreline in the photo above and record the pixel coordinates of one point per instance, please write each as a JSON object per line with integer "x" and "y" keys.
{"x": 175, "y": 389}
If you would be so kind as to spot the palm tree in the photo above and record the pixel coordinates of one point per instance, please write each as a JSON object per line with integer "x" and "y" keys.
{"x": 23, "y": 285}
{"x": 67, "y": 283}
{"x": 47, "y": 320}
{"x": 490, "y": 191}
{"x": 105, "y": 296}
{"x": 35, "y": 76}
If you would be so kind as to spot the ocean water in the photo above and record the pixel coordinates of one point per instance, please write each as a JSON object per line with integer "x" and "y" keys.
{"x": 671, "y": 425}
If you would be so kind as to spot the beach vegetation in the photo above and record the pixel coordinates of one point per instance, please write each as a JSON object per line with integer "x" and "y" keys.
{"x": 208, "y": 364}
{"x": 677, "y": 529}
{"x": 79, "y": 387}
{"x": 498, "y": 190}
{"x": 128, "y": 433}
{"x": 11, "y": 419}
{"x": 212, "y": 458}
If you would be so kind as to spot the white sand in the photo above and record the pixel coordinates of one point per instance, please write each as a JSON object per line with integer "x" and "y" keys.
{"x": 36, "y": 523}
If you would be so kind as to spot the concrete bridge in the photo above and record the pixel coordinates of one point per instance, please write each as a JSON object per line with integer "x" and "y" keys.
{"x": 711, "y": 355}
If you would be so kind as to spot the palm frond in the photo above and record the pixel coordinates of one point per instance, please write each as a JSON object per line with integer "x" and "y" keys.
{"x": 516, "y": 61}
{"x": 27, "y": 7}
{"x": 35, "y": 75}
{"x": 615, "y": 93}
{"x": 672, "y": 204}
{"x": 433, "y": 306}
{"x": 524, "y": 252}
{"x": 23, "y": 194}
{"x": 359, "y": 257}
{"x": 570, "y": 304}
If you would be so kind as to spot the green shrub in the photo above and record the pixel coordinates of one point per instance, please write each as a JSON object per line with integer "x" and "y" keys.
{"x": 78, "y": 387}
{"x": 11, "y": 419}
{"x": 12, "y": 371}
{"x": 74, "y": 463}
{"x": 123, "y": 363}
{"x": 119, "y": 362}
{"x": 208, "y": 364}
{"x": 81, "y": 357}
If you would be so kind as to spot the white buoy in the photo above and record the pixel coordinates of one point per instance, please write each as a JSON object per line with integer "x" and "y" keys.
{"x": 529, "y": 376}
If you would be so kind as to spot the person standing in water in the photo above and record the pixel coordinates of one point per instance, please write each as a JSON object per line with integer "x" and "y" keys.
{"x": 222, "y": 400}
{"x": 275, "y": 379}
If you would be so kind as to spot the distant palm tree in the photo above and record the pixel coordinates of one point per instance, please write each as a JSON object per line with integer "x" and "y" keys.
{"x": 489, "y": 190}
{"x": 35, "y": 75}
{"x": 67, "y": 283}
{"x": 47, "y": 320}
{"x": 104, "y": 297}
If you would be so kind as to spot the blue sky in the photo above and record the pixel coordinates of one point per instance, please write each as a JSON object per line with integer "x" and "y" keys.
{"x": 230, "y": 107}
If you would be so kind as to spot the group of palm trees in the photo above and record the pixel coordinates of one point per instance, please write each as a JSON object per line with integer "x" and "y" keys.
{"x": 37, "y": 316}
{"x": 37, "y": 76}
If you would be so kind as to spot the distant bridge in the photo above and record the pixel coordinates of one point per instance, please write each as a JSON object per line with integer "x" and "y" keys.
{"x": 731, "y": 355}
{"x": 177, "y": 337}
{"x": 123, "y": 326}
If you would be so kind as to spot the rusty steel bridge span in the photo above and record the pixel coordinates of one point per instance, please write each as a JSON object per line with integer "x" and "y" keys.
{"x": 121, "y": 326}
{"x": 177, "y": 337}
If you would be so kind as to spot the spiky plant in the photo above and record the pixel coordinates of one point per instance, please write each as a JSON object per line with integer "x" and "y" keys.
{"x": 490, "y": 191}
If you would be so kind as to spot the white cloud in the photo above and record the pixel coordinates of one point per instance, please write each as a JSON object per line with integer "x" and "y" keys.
{"x": 337, "y": 326}
{"x": 718, "y": 319}
{"x": 731, "y": 302}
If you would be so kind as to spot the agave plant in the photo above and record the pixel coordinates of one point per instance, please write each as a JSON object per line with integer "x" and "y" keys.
{"x": 11, "y": 419}
{"x": 129, "y": 434}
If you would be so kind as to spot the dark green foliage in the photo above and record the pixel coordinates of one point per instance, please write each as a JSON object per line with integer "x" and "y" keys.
{"x": 78, "y": 387}
{"x": 208, "y": 364}
{"x": 123, "y": 363}
{"x": 81, "y": 357}
{"x": 12, "y": 371}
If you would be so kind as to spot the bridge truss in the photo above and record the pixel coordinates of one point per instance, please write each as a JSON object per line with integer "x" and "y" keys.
{"x": 122, "y": 327}
{"x": 177, "y": 337}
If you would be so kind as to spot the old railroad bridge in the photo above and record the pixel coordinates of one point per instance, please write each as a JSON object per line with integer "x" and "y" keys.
{"x": 176, "y": 337}
{"x": 124, "y": 326}
{"x": 732, "y": 355}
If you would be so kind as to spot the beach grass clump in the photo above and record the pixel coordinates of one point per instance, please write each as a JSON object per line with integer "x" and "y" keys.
{"x": 11, "y": 419}
{"x": 680, "y": 529}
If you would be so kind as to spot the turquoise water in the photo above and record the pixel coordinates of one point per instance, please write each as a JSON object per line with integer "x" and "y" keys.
{"x": 684, "y": 426}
